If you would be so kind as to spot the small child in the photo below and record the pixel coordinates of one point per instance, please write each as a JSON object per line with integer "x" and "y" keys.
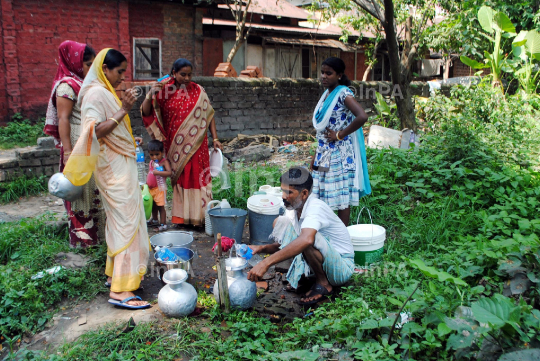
{"x": 157, "y": 159}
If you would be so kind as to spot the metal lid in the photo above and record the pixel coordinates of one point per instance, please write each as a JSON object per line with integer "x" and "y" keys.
{"x": 172, "y": 238}
{"x": 235, "y": 263}
{"x": 175, "y": 276}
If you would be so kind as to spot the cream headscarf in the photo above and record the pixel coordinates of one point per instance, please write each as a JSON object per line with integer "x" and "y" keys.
{"x": 96, "y": 74}
{"x": 82, "y": 162}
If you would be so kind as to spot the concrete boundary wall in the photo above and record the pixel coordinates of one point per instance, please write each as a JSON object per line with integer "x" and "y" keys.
{"x": 279, "y": 107}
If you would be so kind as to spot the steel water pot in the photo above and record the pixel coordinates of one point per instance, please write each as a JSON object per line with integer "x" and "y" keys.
{"x": 172, "y": 238}
{"x": 242, "y": 292}
{"x": 61, "y": 187}
{"x": 178, "y": 298}
{"x": 184, "y": 262}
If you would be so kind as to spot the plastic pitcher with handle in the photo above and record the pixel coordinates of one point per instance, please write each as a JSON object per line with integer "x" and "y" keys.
{"x": 207, "y": 223}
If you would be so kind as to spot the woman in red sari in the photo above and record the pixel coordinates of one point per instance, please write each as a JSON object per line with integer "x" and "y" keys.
{"x": 178, "y": 112}
{"x": 63, "y": 122}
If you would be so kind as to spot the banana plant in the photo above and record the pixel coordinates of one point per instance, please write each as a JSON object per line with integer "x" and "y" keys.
{"x": 526, "y": 49}
{"x": 498, "y": 24}
{"x": 387, "y": 113}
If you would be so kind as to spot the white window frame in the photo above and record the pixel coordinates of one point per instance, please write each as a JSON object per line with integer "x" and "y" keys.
{"x": 142, "y": 77}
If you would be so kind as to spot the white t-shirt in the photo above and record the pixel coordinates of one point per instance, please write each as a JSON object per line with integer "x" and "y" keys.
{"x": 319, "y": 216}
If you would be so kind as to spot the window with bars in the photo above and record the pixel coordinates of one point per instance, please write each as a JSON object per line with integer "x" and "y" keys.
{"x": 147, "y": 58}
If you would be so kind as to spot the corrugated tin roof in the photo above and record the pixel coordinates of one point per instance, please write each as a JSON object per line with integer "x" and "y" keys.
{"x": 329, "y": 30}
{"x": 326, "y": 43}
{"x": 274, "y": 7}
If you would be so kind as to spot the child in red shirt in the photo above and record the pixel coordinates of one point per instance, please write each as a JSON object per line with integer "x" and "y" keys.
{"x": 159, "y": 167}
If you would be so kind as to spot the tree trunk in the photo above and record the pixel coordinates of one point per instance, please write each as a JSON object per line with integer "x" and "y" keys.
{"x": 237, "y": 45}
{"x": 447, "y": 63}
{"x": 399, "y": 68}
{"x": 366, "y": 73}
{"x": 373, "y": 60}
{"x": 405, "y": 107}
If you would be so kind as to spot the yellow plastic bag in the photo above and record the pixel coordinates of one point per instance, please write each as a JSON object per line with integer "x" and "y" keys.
{"x": 83, "y": 159}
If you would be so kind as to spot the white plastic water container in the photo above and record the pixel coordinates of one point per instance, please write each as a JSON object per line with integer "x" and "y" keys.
{"x": 207, "y": 223}
{"x": 271, "y": 191}
{"x": 367, "y": 240}
{"x": 225, "y": 204}
{"x": 368, "y": 243}
{"x": 264, "y": 204}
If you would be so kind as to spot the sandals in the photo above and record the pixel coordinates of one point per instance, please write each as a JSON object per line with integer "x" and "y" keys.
{"x": 124, "y": 303}
{"x": 161, "y": 228}
{"x": 303, "y": 286}
{"x": 317, "y": 289}
{"x": 152, "y": 222}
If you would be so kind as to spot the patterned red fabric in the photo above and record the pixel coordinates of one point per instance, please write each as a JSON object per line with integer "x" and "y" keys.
{"x": 70, "y": 71}
{"x": 83, "y": 230}
{"x": 175, "y": 107}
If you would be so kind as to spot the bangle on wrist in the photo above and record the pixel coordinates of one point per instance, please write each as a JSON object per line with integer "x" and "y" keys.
{"x": 116, "y": 121}
{"x": 337, "y": 136}
{"x": 215, "y": 140}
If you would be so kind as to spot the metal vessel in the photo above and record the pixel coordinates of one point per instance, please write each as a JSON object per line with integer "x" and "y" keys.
{"x": 242, "y": 292}
{"x": 178, "y": 298}
{"x": 61, "y": 187}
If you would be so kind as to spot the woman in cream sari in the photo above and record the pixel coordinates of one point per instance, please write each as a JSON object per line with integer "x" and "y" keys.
{"x": 107, "y": 148}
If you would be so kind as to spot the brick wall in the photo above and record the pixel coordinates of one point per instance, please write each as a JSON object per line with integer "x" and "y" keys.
{"x": 460, "y": 69}
{"x": 32, "y": 30}
{"x": 280, "y": 107}
{"x": 30, "y": 162}
{"x": 40, "y": 26}
{"x": 177, "y": 23}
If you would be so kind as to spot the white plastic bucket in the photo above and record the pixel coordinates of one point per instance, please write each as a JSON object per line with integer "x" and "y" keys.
{"x": 367, "y": 240}
{"x": 265, "y": 188}
{"x": 264, "y": 204}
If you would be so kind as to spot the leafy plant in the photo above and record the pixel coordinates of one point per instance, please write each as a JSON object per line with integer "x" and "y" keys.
{"x": 22, "y": 187}
{"x": 386, "y": 114}
{"x": 459, "y": 277}
{"x": 244, "y": 181}
{"x": 526, "y": 49}
{"x": 26, "y": 248}
{"x": 498, "y": 24}
{"x": 20, "y": 133}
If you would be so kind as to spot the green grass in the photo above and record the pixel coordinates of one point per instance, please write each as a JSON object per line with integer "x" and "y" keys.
{"x": 22, "y": 187}
{"x": 245, "y": 179}
{"x": 20, "y": 133}
{"x": 461, "y": 214}
{"x": 26, "y": 248}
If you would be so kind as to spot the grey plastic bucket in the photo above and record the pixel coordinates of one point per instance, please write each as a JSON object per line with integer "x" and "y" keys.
{"x": 228, "y": 221}
{"x": 260, "y": 227}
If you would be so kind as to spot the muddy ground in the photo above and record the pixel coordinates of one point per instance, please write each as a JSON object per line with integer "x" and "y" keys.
{"x": 76, "y": 318}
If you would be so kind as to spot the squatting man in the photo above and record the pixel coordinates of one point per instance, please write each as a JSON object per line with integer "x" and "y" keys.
{"x": 312, "y": 234}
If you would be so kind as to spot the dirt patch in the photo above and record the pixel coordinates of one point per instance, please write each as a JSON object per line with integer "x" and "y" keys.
{"x": 32, "y": 207}
{"x": 77, "y": 318}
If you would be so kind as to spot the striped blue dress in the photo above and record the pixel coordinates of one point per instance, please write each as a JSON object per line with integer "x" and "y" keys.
{"x": 336, "y": 185}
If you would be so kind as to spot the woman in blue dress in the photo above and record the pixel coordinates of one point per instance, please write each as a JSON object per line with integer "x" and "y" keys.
{"x": 339, "y": 168}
